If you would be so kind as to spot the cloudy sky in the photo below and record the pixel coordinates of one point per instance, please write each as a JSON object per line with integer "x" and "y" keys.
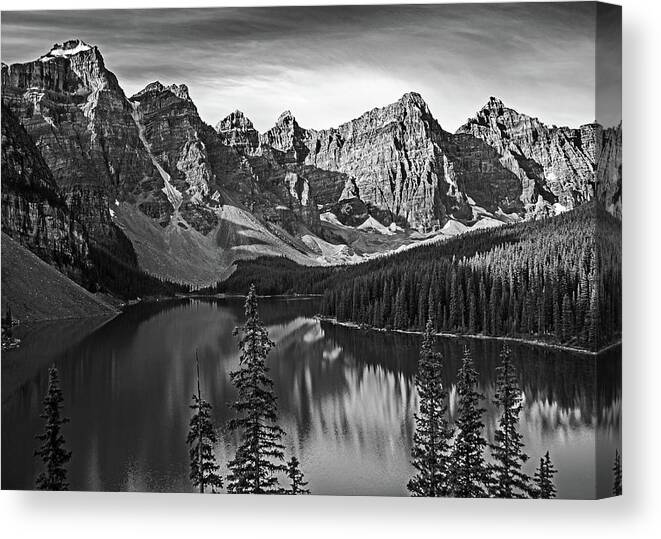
{"x": 330, "y": 64}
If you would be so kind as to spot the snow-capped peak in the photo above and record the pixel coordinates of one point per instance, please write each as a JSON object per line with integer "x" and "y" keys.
{"x": 67, "y": 49}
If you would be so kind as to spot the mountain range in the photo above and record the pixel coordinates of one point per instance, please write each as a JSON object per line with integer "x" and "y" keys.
{"x": 145, "y": 181}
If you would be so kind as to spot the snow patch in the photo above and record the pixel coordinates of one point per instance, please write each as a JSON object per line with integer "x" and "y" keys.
{"x": 58, "y": 51}
{"x": 372, "y": 224}
{"x": 331, "y": 253}
{"x": 559, "y": 208}
{"x": 487, "y": 222}
{"x": 452, "y": 228}
{"x": 174, "y": 195}
{"x": 331, "y": 218}
{"x": 112, "y": 212}
{"x": 508, "y": 217}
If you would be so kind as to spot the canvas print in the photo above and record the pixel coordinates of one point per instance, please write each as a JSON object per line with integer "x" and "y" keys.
{"x": 408, "y": 283}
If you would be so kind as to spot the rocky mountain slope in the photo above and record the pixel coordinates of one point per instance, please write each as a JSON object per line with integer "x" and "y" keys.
{"x": 149, "y": 169}
{"x": 158, "y": 188}
{"x": 560, "y": 165}
{"x": 608, "y": 175}
{"x": 221, "y": 203}
{"x": 398, "y": 159}
{"x": 34, "y": 210}
{"x": 78, "y": 116}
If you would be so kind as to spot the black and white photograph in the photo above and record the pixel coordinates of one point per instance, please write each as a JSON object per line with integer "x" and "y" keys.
{"x": 313, "y": 250}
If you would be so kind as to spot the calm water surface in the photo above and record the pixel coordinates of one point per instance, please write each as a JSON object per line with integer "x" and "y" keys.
{"x": 346, "y": 398}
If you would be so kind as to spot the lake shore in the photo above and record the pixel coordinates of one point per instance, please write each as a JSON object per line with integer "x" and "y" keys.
{"x": 353, "y": 325}
{"x": 519, "y": 340}
{"x": 22, "y": 362}
{"x": 228, "y": 295}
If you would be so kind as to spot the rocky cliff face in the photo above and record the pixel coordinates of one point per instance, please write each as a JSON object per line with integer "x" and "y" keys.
{"x": 172, "y": 133}
{"x": 34, "y": 211}
{"x": 556, "y": 165}
{"x": 608, "y": 154}
{"x": 210, "y": 167}
{"x": 237, "y": 130}
{"x": 149, "y": 169}
{"x": 80, "y": 120}
{"x": 398, "y": 158}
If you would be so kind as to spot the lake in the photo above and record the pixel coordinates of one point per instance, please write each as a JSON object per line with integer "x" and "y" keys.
{"x": 346, "y": 398}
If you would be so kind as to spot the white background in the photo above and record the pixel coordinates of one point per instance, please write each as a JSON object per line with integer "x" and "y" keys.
{"x": 636, "y": 514}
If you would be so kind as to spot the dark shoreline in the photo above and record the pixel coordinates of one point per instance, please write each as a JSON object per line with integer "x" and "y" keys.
{"x": 519, "y": 340}
{"x": 352, "y": 325}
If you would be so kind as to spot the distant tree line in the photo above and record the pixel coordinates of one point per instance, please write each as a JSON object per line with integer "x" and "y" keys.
{"x": 273, "y": 275}
{"x": 115, "y": 276}
{"x": 557, "y": 279}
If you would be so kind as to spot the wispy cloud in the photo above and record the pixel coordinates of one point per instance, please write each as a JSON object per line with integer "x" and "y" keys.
{"x": 329, "y": 64}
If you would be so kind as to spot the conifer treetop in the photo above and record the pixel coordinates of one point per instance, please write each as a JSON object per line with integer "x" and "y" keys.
{"x": 52, "y": 450}
{"x": 260, "y": 455}
{"x": 469, "y": 476}
{"x": 509, "y": 480}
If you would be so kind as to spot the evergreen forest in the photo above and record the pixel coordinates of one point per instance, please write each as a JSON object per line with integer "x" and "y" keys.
{"x": 554, "y": 280}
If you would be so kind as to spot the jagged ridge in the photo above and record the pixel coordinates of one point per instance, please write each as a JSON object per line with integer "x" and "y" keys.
{"x": 150, "y": 165}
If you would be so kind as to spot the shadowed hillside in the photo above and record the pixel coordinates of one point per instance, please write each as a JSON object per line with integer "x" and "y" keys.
{"x": 36, "y": 291}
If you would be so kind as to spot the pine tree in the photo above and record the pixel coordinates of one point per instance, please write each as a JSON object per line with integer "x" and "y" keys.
{"x": 484, "y": 306}
{"x": 472, "y": 308}
{"x": 296, "y": 483}
{"x": 544, "y": 486}
{"x": 52, "y": 450}
{"x": 454, "y": 301}
{"x": 541, "y": 312}
{"x": 432, "y": 436}
{"x": 509, "y": 481}
{"x": 494, "y": 306}
{"x": 400, "y": 310}
{"x": 594, "y": 315}
{"x": 260, "y": 455}
{"x": 461, "y": 307}
{"x": 617, "y": 475}
{"x": 567, "y": 318}
{"x": 201, "y": 439}
{"x": 387, "y": 304}
{"x": 469, "y": 476}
